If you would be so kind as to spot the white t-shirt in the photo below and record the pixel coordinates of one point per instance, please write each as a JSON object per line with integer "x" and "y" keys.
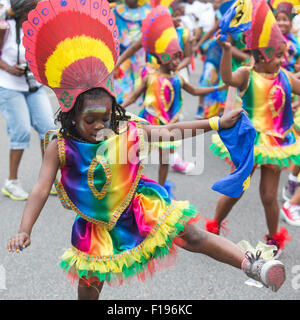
{"x": 4, "y": 5}
{"x": 9, "y": 55}
{"x": 187, "y": 22}
{"x": 296, "y": 23}
{"x": 204, "y": 13}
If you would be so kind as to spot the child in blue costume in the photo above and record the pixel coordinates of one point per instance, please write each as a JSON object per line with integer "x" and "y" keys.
{"x": 213, "y": 104}
{"x": 161, "y": 87}
{"x": 265, "y": 90}
{"x": 151, "y": 63}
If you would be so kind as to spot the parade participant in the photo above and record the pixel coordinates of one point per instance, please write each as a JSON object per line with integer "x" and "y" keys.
{"x": 161, "y": 88}
{"x": 184, "y": 39}
{"x": 284, "y": 13}
{"x": 213, "y": 104}
{"x": 23, "y": 102}
{"x": 129, "y": 17}
{"x": 125, "y": 224}
{"x": 265, "y": 90}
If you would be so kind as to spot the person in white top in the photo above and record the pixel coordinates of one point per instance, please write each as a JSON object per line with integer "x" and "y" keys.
{"x": 23, "y": 101}
{"x": 296, "y": 24}
{"x": 4, "y": 5}
{"x": 202, "y": 12}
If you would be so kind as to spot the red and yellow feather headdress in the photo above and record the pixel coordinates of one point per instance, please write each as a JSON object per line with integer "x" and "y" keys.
{"x": 72, "y": 46}
{"x": 159, "y": 35}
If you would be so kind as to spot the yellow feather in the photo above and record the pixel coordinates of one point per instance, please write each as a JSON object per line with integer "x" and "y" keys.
{"x": 162, "y": 42}
{"x": 71, "y": 50}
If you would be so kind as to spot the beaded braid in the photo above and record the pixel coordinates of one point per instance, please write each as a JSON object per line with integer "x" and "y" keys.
{"x": 118, "y": 114}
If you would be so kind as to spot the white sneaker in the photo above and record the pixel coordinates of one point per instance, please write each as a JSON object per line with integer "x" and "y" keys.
{"x": 270, "y": 273}
{"x": 290, "y": 213}
{"x": 183, "y": 166}
{"x": 14, "y": 190}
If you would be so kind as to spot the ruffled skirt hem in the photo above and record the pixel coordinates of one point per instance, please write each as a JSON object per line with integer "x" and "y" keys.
{"x": 155, "y": 253}
{"x": 281, "y": 156}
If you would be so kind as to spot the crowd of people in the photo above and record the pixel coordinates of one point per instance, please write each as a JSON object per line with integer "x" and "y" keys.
{"x": 248, "y": 92}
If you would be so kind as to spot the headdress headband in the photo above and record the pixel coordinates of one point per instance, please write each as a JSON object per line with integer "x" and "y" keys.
{"x": 72, "y": 46}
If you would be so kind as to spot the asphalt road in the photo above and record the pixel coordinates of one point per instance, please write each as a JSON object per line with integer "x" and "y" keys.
{"x": 35, "y": 275}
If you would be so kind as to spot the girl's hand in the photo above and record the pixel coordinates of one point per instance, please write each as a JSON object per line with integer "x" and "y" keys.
{"x": 226, "y": 45}
{"x": 295, "y": 105}
{"x": 19, "y": 242}
{"x": 223, "y": 87}
{"x": 229, "y": 119}
{"x": 16, "y": 70}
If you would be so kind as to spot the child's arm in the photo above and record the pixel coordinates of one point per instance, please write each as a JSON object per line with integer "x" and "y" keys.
{"x": 186, "y": 129}
{"x": 187, "y": 54}
{"x": 239, "y": 78}
{"x": 295, "y": 84}
{"x": 37, "y": 198}
{"x": 207, "y": 35}
{"x": 133, "y": 96}
{"x": 239, "y": 54}
{"x": 195, "y": 91}
{"x": 297, "y": 75}
{"x": 129, "y": 52}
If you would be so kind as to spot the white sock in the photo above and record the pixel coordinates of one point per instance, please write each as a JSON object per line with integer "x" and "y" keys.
{"x": 173, "y": 157}
{"x": 293, "y": 178}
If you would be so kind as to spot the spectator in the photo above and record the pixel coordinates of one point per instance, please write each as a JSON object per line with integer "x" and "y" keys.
{"x": 19, "y": 105}
{"x": 4, "y": 5}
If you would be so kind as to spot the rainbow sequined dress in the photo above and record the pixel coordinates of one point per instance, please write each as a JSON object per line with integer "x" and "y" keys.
{"x": 267, "y": 101}
{"x": 125, "y": 223}
{"x": 162, "y": 101}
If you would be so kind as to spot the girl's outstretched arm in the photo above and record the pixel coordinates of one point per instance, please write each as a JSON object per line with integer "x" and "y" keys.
{"x": 133, "y": 96}
{"x": 207, "y": 35}
{"x": 129, "y": 52}
{"x": 186, "y": 129}
{"x": 195, "y": 91}
{"x": 37, "y": 198}
{"x": 295, "y": 83}
{"x": 187, "y": 54}
{"x": 239, "y": 78}
{"x": 240, "y": 54}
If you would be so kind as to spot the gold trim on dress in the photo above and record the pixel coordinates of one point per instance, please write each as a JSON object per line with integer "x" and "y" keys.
{"x": 61, "y": 149}
{"x": 90, "y": 176}
{"x": 271, "y": 99}
{"x": 167, "y": 105}
{"x": 127, "y": 200}
{"x": 274, "y": 133}
{"x": 172, "y": 209}
{"x": 67, "y": 202}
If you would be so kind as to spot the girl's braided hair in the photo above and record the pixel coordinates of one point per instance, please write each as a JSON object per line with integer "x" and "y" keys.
{"x": 66, "y": 118}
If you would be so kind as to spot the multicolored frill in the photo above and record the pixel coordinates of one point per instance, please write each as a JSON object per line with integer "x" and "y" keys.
{"x": 267, "y": 101}
{"x": 126, "y": 224}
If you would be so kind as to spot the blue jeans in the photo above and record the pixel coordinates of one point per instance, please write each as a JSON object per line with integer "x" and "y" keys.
{"x": 21, "y": 110}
